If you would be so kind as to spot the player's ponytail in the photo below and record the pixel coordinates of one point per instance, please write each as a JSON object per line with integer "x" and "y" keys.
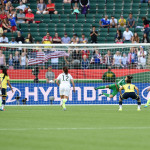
{"x": 4, "y": 70}
{"x": 65, "y": 69}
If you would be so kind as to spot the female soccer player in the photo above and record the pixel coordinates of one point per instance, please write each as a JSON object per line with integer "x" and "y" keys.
{"x": 4, "y": 80}
{"x": 129, "y": 93}
{"x": 148, "y": 102}
{"x": 64, "y": 86}
{"x": 115, "y": 87}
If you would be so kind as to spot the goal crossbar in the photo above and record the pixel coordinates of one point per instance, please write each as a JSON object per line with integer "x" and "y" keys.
{"x": 77, "y": 45}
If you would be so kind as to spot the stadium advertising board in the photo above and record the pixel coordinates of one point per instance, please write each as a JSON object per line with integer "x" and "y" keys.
{"x": 38, "y": 94}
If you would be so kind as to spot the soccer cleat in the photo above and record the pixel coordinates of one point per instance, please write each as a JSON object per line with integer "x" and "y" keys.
{"x": 138, "y": 109}
{"x": 120, "y": 109}
{"x": 145, "y": 106}
{"x": 1, "y": 110}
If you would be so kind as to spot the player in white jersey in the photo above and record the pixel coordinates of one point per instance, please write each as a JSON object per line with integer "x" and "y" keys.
{"x": 63, "y": 81}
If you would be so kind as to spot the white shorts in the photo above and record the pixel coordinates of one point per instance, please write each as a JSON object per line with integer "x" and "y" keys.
{"x": 64, "y": 89}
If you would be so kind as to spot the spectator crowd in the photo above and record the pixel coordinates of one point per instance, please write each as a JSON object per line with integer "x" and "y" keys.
{"x": 10, "y": 16}
{"x": 134, "y": 59}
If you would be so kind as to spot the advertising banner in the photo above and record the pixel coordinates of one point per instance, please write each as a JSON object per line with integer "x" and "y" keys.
{"x": 39, "y": 94}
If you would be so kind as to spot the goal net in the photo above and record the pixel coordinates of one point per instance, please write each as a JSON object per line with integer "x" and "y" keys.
{"x": 34, "y": 68}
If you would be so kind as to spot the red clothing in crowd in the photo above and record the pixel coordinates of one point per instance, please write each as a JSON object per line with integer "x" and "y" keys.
{"x": 45, "y": 37}
{"x": 147, "y": 26}
{"x": 57, "y": 41}
{"x": 3, "y": 16}
{"x": 50, "y": 7}
{"x": 30, "y": 16}
{"x": 14, "y": 28}
{"x": 85, "y": 52}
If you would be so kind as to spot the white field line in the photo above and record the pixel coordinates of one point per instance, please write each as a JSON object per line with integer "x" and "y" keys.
{"x": 70, "y": 105}
{"x": 115, "y": 110}
{"x": 48, "y": 129}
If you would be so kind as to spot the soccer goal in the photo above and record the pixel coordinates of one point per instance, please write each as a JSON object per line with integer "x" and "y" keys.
{"x": 34, "y": 68}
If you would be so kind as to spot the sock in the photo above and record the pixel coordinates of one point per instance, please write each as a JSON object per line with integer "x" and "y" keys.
{"x": 3, "y": 106}
{"x": 64, "y": 101}
{"x": 148, "y": 102}
{"x": 120, "y": 104}
{"x": 101, "y": 87}
{"x": 61, "y": 101}
{"x": 139, "y": 105}
{"x": 107, "y": 95}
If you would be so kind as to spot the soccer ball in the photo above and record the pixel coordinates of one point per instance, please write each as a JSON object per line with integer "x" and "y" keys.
{"x": 51, "y": 81}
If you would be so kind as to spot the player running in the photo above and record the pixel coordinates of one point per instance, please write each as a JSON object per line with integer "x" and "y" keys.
{"x": 64, "y": 86}
{"x": 114, "y": 87}
{"x": 4, "y": 80}
{"x": 129, "y": 93}
{"x": 148, "y": 102}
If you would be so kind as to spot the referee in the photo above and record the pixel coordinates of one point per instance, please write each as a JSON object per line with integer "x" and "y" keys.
{"x": 129, "y": 93}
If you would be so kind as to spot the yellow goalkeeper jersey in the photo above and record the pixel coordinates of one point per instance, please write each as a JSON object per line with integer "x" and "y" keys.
{"x": 4, "y": 80}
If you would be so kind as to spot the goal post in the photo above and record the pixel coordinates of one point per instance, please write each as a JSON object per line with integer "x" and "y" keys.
{"x": 34, "y": 68}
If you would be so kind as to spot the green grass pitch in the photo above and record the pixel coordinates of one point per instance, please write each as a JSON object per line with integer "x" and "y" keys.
{"x": 99, "y": 127}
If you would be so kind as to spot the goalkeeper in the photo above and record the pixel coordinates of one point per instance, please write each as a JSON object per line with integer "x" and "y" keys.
{"x": 114, "y": 87}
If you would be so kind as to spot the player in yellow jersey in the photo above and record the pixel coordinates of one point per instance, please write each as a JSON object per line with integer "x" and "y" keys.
{"x": 129, "y": 93}
{"x": 4, "y": 80}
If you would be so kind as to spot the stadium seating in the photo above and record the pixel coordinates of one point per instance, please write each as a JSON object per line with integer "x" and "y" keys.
{"x": 98, "y": 8}
{"x": 65, "y": 21}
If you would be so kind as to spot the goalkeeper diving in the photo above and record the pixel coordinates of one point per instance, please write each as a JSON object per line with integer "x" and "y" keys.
{"x": 114, "y": 87}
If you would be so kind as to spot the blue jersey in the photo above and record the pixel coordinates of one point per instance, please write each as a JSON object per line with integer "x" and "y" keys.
{"x": 13, "y": 21}
{"x": 105, "y": 22}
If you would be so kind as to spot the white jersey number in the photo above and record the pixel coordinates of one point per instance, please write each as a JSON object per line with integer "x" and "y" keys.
{"x": 65, "y": 79}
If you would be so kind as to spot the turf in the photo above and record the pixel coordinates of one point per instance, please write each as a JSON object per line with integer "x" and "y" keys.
{"x": 78, "y": 128}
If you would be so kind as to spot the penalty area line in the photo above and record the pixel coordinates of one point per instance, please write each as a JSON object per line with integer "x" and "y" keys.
{"x": 46, "y": 129}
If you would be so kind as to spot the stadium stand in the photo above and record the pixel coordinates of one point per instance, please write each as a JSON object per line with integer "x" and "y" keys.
{"x": 111, "y": 7}
{"x": 65, "y": 21}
